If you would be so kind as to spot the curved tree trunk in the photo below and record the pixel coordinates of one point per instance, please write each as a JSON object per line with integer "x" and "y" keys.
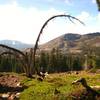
{"x": 28, "y": 61}
{"x": 42, "y": 28}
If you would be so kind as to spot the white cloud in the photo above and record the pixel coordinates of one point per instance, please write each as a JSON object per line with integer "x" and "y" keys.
{"x": 23, "y": 24}
{"x": 68, "y": 2}
{"x": 94, "y": 1}
{"x": 84, "y": 16}
{"x": 98, "y": 17}
{"x": 92, "y": 23}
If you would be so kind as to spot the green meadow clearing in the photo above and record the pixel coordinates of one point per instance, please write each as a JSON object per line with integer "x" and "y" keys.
{"x": 57, "y": 86}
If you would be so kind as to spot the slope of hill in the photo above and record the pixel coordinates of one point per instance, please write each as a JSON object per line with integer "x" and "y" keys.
{"x": 16, "y": 44}
{"x": 69, "y": 41}
{"x": 74, "y": 42}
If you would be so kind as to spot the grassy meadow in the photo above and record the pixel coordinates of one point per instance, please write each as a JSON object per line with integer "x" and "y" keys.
{"x": 56, "y": 86}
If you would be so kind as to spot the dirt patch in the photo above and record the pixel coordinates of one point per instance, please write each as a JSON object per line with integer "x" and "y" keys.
{"x": 10, "y": 86}
{"x": 84, "y": 95}
{"x": 9, "y": 80}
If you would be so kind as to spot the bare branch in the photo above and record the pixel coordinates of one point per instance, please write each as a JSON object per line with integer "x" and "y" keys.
{"x": 13, "y": 49}
{"x": 42, "y": 28}
{"x": 11, "y": 53}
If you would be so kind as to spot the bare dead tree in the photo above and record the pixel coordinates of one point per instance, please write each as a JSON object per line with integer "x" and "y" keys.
{"x": 45, "y": 24}
{"x": 28, "y": 60}
{"x": 13, "y": 49}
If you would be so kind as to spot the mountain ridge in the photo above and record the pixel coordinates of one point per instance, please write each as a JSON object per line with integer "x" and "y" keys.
{"x": 72, "y": 41}
{"x": 65, "y": 42}
{"x": 16, "y": 44}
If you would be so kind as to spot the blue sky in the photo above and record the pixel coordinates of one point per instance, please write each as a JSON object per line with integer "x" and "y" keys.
{"x": 22, "y": 19}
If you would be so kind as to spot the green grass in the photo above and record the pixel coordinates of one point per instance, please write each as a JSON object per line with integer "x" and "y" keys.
{"x": 62, "y": 82}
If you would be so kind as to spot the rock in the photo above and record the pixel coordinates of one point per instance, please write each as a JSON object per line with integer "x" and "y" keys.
{"x": 5, "y": 95}
{"x": 17, "y": 95}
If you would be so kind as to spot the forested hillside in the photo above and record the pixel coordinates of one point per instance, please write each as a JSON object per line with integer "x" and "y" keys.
{"x": 70, "y": 52}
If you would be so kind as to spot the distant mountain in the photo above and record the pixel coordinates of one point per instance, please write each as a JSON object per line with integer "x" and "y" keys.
{"x": 16, "y": 44}
{"x": 72, "y": 41}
